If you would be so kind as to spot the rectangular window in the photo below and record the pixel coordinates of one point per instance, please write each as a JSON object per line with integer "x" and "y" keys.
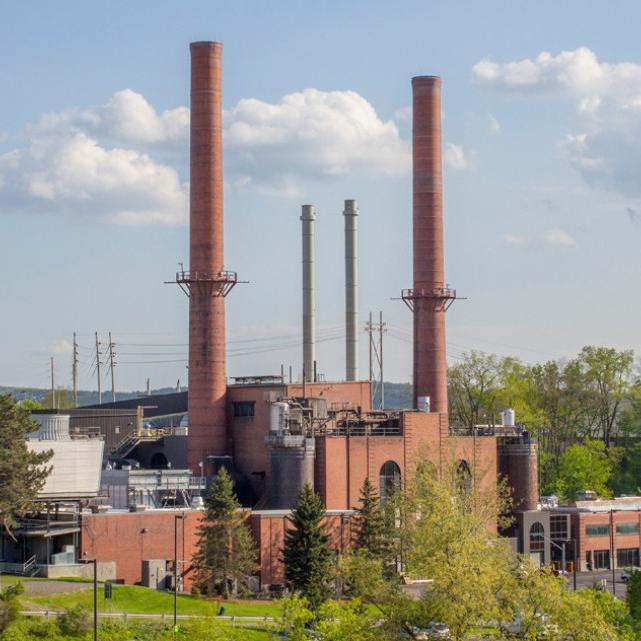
{"x": 628, "y": 558}
{"x": 627, "y": 528}
{"x": 559, "y": 527}
{"x": 244, "y": 409}
{"x": 597, "y": 530}
{"x": 601, "y": 559}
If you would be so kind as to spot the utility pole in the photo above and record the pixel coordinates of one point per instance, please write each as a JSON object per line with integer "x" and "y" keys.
{"x": 111, "y": 369}
{"x": 381, "y": 330}
{"x": 53, "y": 388}
{"x": 368, "y": 329}
{"x": 98, "y": 369}
{"x": 376, "y": 361}
{"x": 148, "y": 388}
{"x": 74, "y": 370}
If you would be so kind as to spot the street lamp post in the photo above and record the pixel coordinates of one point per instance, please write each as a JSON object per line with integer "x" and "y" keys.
{"x": 177, "y": 517}
{"x": 94, "y": 562}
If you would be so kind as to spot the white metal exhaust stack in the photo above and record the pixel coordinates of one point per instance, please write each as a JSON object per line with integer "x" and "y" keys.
{"x": 309, "y": 302}
{"x": 351, "y": 290}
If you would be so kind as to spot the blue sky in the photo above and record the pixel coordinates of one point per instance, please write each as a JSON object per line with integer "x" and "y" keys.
{"x": 542, "y": 186}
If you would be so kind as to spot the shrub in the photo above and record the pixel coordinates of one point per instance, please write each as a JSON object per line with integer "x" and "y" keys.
{"x": 75, "y": 621}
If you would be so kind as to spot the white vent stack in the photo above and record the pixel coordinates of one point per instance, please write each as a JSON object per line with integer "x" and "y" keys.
{"x": 53, "y": 427}
{"x": 309, "y": 302}
{"x": 508, "y": 417}
{"x": 350, "y": 214}
{"x": 423, "y": 404}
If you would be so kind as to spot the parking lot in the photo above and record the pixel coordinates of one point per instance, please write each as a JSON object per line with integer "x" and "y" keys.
{"x": 588, "y": 579}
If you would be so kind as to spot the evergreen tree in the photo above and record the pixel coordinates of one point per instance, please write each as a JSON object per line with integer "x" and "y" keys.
{"x": 23, "y": 473}
{"x": 633, "y": 595}
{"x": 226, "y": 553}
{"x": 373, "y": 532}
{"x": 306, "y": 555}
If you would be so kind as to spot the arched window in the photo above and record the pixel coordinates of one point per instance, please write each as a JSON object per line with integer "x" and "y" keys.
{"x": 463, "y": 477}
{"x": 390, "y": 479}
{"x": 537, "y": 541}
{"x": 158, "y": 461}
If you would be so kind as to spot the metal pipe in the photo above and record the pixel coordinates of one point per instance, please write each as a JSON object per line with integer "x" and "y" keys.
{"x": 308, "y": 218}
{"x": 350, "y": 214}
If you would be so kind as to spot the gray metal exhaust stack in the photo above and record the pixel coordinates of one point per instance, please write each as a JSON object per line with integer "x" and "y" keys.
{"x": 351, "y": 290}
{"x": 309, "y": 302}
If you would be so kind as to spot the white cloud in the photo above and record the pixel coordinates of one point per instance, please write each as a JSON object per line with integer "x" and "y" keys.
{"x": 95, "y": 163}
{"x": 403, "y": 114}
{"x": 71, "y": 173}
{"x": 558, "y": 237}
{"x": 127, "y": 118}
{"x": 311, "y": 134}
{"x": 493, "y": 126}
{"x": 514, "y": 240}
{"x": 555, "y": 236}
{"x": 604, "y": 146}
{"x": 455, "y": 157}
{"x": 59, "y": 347}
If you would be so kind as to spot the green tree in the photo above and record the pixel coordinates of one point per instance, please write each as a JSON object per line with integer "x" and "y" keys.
{"x": 62, "y": 400}
{"x": 474, "y": 386}
{"x": 633, "y": 596}
{"x": 226, "y": 553}
{"x": 30, "y": 404}
{"x": 9, "y": 605}
{"x": 306, "y": 555}
{"x": 373, "y": 531}
{"x": 446, "y": 540}
{"x": 23, "y": 473}
{"x": 584, "y": 467}
{"x": 76, "y": 621}
{"x": 608, "y": 379}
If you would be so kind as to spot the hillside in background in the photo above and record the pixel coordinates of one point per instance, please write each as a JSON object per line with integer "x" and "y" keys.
{"x": 397, "y": 395}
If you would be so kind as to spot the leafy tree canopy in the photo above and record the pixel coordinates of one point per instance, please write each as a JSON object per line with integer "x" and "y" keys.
{"x": 23, "y": 473}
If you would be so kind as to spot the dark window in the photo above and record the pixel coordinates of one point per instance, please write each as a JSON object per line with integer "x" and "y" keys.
{"x": 463, "y": 478}
{"x": 628, "y": 558}
{"x": 597, "y": 530}
{"x": 559, "y": 528}
{"x": 244, "y": 409}
{"x": 627, "y": 528}
{"x": 390, "y": 479}
{"x": 601, "y": 559}
{"x": 537, "y": 541}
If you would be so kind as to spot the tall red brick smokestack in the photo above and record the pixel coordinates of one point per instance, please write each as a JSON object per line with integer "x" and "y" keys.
{"x": 206, "y": 283}
{"x": 430, "y": 297}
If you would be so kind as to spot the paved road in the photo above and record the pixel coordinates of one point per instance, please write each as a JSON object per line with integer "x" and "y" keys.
{"x": 234, "y": 620}
{"x": 588, "y": 579}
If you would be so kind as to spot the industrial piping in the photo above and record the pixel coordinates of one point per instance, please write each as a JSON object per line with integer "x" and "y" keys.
{"x": 430, "y": 297}
{"x": 206, "y": 283}
{"x": 351, "y": 290}
{"x": 309, "y": 302}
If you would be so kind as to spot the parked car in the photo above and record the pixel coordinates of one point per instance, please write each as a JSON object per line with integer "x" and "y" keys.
{"x": 434, "y": 631}
{"x": 628, "y": 572}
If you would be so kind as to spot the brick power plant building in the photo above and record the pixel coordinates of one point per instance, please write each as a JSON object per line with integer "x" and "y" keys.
{"x": 272, "y": 435}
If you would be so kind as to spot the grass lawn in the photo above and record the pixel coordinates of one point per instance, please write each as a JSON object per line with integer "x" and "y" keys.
{"x": 136, "y": 599}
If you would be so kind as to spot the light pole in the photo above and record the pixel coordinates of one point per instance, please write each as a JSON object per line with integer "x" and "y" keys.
{"x": 177, "y": 517}
{"x": 94, "y": 562}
